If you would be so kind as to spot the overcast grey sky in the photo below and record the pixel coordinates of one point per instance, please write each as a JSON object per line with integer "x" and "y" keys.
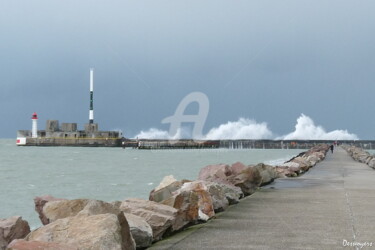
{"x": 265, "y": 60}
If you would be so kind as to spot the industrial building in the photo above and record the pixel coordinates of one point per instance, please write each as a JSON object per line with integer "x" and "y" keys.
{"x": 68, "y": 134}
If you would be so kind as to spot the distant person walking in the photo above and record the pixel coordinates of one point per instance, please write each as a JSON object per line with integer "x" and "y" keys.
{"x": 331, "y": 148}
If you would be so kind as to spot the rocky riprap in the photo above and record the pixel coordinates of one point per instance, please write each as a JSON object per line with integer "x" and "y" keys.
{"x": 137, "y": 223}
{"x": 360, "y": 155}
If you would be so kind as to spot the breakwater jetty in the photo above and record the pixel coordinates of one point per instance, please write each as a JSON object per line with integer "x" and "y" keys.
{"x": 329, "y": 207}
{"x": 111, "y": 139}
{"x": 240, "y": 144}
{"x": 173, "y": 206}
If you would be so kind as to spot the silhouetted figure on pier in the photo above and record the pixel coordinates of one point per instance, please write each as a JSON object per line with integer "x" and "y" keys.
{"x": 331, "y": 148}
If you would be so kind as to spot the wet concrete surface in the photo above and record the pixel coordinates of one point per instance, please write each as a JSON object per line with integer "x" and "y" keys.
{"x": 328, "y": 207}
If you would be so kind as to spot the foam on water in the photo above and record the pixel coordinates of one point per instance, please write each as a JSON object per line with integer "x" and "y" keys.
{"x": 277, "y": 162}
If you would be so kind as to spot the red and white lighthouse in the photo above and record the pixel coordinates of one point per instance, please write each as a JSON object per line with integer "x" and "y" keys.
{"x": 34, "y": 129}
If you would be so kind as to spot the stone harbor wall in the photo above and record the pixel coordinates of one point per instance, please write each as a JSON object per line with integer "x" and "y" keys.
{"x": 136, "y": 223}
{"x": 74, "y": 142}
{"x": 360, "y": 155}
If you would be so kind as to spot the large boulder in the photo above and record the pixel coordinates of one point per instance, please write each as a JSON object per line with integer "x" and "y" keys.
{"x": 194, "y": 204}
{"x": 223, "y": 195}
{"x": 294, "y": 166}
{"x": 303, "y": 163}
{"x": 167, "y": 180}
{"x": 247, "y": 178}
{"x": 95, "y": 207}
{"x": 12, "y": 228}
{"x": 289, "y": 169}
{"x": 215, "y": 173}
{"x": 237, "y": 168}
{"x": 40, "y": 202}
{"x": 31, "y": 245}
{"x": 219, "y": 201}
{"x": 166, "y": 189}
{"x": 103, "y": 231}
{"x": 160, "y": 217}
{"x": 140, "y": 230}
{"x": 268, "y": 173}
{"x": 285, "y": 171}
{"x": 116, "y": 204}
{"x": 55, "y": 210}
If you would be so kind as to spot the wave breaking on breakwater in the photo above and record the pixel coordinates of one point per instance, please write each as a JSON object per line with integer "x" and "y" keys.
{"x": 244, "y": 128}
{"x": 241, "y": 129}
{"x": 306, "y": 129}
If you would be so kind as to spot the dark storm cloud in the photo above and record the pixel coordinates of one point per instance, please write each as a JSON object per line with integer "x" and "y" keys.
{"x": 267, "y": 60}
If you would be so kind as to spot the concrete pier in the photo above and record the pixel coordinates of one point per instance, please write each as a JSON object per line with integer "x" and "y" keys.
{"x": 330, "y": 207}
{"x": 241, "y": 144}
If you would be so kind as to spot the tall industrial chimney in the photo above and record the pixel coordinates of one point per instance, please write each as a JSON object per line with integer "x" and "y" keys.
{"x": 34, "y": 129}
{"x": 91, "y": 114}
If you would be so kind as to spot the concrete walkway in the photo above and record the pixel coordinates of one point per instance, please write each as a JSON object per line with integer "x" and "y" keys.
{"x": 333, "y": 202}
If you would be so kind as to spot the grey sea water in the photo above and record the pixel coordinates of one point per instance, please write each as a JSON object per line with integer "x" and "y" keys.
{"x": 107, "y": 174}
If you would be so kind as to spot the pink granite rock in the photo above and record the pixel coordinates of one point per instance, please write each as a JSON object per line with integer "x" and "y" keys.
{"x": 55, "y": 210}
{"x": 166, "y": 191}
{"x": 194, "y": 204}
{"x": 237, "y": 168}
{"x": 35, "y": 245}
{"x": 102, "y": 231}
{"x": 215, "y": 173}
{"x": 247, "y": 178}
{"x": 40, "y": 202}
